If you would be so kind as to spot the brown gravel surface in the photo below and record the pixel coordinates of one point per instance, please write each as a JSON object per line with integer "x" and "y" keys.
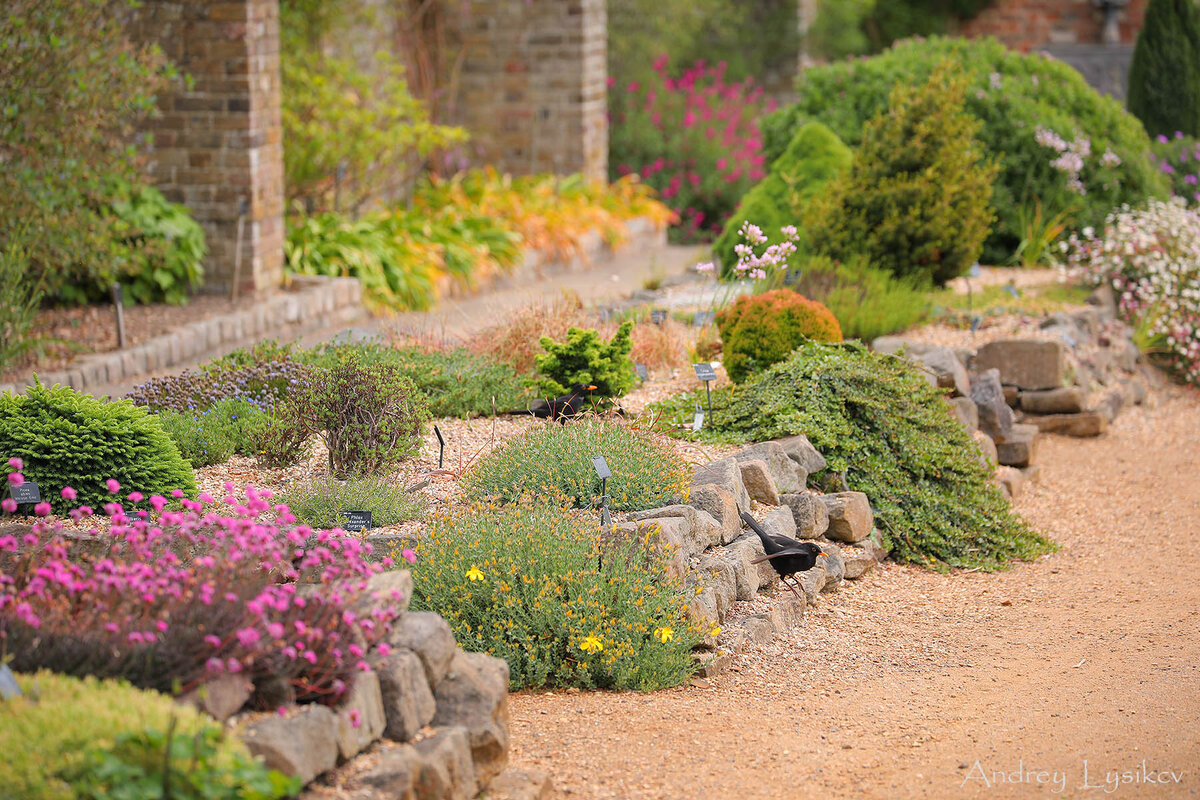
{"x": 908, "y": 683}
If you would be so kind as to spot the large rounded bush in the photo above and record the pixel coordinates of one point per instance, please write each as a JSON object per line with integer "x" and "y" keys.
{"x": 555, "y": 461}
{"x": 1016, "y": 97}
{"x": 759, "y": 331}
{"x": 70, "y": 439}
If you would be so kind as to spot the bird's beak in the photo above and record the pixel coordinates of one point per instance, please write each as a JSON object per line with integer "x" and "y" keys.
{"x": 591, "y": 388}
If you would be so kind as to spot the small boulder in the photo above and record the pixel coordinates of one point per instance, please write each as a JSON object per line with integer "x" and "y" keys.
{"x": 474, "y": 697}
{"x": 360, "y": 720}
{"x": 758, "y": 481}
{"x": 1083, "y": 424}
{"x": 779, "y": 522}
{"x": 721, "y": 505}
{"x": 746, "y": 575}
{"x": 809, "y": 513}
{"x": 391, "y": 588}
{"x": 702, "y": 609}
{"x": 987, "y": 448}
{"x": 850, "y": 516}
{"x": 1110, "y": 404}
{"x": 966, "y": 411}
{"x": 834, "y": 566}
{"x": 725, "y": 474}
{"x": 392, "y": 772}
{"x": 429, "y": 636}
{"x": 800, "y": 450}
{"x": 890, "y": 345}
{"x": 447, "y": 772}
{"x": 703, "y": 531}
{"x": 1027, "y": 363}
{"x": 812, "y": 581}
{"x": 718, "y": 574}
{"x": 788, "y": 475}
{"x": 1063, "y": 400}
{"x": 995, "y": 416}
{"x": 856, "y": 562}
{"x": 303, "y": 744}
{"x": 945, "y": 368}
{"x": 1019, "y": 448}
{"x": 407, "y": 701}
{"x": 1012, "y": 480}
{"x": 521, "y": 784}
{"x": 220, "y": 696}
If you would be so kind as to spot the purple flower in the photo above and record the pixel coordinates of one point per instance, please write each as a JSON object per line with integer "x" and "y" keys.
{"x": 16, "y": 463}
{"x": 16, "y": 479}
{"x": 113, "y": 485}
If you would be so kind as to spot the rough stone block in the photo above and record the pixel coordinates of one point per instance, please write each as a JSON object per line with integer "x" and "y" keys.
{"x": 800, "y": 450}
{"x": 1020, "y": 447}
{"x": 850, "y": 516}
{"x": 221, "y": 696}
{"x": 987, "y": 448}
{"x": 809, "y": 513}
{"x": 1027, "y": 363}
{"x": 408, "y": 704}
{"x": 995, "y": 416}
{"x": 833, "y": 564}
{"x": 718, "y": 574}
{"x": 1063, "y": 400}
{"x": 726, "y": 475}
{"x": 360, "y": 720}
{"x": 945, "y": 368}
{"x": 719, "y": 504}
{"x": 856, "y": 562}
{"x": 474, "y": 696}
{"x": 429, "y": 636}
{"x": 966, "y": 411}
{"x": 447, "y": 772}
{"x": 521, "y": 784}
{"x": 787, "y": 474}
{"x": 1084, "y": 424}
{"x": 779, "y": 522}
{"x": 756, "y": 477}
{"x": 303, "y": 744}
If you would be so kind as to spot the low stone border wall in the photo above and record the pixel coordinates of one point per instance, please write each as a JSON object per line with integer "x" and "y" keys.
{"x": 311, "y": 304}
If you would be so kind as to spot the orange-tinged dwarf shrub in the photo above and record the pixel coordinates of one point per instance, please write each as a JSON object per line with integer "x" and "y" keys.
{"x": 762, "y": 330}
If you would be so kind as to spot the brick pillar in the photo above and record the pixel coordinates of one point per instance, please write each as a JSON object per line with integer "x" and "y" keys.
{"x": 217, "y": 144}
{"x": 533, "y": 90}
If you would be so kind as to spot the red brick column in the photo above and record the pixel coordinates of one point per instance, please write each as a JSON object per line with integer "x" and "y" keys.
{"x": 217, "y": 145}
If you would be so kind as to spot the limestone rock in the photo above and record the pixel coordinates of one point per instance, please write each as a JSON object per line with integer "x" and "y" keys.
{"x": 391, "y": 588}
{"x": 1063, "y": 400}
{"x": 788, "y": 475}
{"x": 1027, "y": 363}
{"x": 1019, "y": 448}
{"x": 779, "y": 522}
{"x": 812, "y": 581}
{"x": 834, "y": 566}
{"x": 360, "y": 720}
{"x": 392, "y": 773}
{"x": 662, "y": 538}
{"x": 1110, "y": 404}
{"x": 995, "y": 417}
{"x": 1084, "y": 424}
{"x": 873, "y": 544}
{"x": 987, "y": 448}
{"x": 725, "y": 474}
{"x": 447, "y": 772}
{"x": 746, "y": 575}
{"x": 966, "y": 411}
{"x": 1012, "y": 480}
{"x": 850, "y": 516}
{"x": 800, "y": 450}
{"x": 889, "y": 345}
{"x": 718, "y": 574}
{"x": 303, "y": 744}
{"x": 521, "y": 784}
{"x": 221, "y": 696}
{"x": 856, "y": 562}
{"x": 948, "y": 372}
{"x": 1032, "y": 473}
{"x": 721, "y": 505}
{"x": 429, "y": 636}
{"x": 757, "y": 630}
{"x": 756, "y": 477}
{"x": 702, "y": 609}
{"x": 705, "y": 531}
{"x": 809, "y": 513}
{"x": 407, "y": 701}
{"x": 474, "y": 696}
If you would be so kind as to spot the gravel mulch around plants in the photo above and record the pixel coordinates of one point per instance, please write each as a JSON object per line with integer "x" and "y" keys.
{"x": 896, "y": 685}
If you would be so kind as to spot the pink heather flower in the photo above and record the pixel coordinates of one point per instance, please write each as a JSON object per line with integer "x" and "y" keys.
{"x": 355, "y": 718}
{"x": 177, "y": 493}
{"x": 233, "y": 665}
{"x": 660, "y": 63}
{"x": 632, "y": 86}
{"x": 722, "y": 163}
{"x": 409, "y": 555}
{"x": 212, "y": 641}
{"x": 16, "y": 463}
{"x": 16, "y": 479}
{"x": 248, "y": 636}
{"x": 135, "y": 497}
{"x": 161, "y": 625}
{"x": 275, "y": 630}
{"x": 86, "y": 511}
{"x": 42, "y": 509}
{"x": 214, "y": 665}
{"x": 113, "y": 486}
{"x": 9, "y": 505}
{"x": 385, "y": 649}
{"x": 68, "y": 493}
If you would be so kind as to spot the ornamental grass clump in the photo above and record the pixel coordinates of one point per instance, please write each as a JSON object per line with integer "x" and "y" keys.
{"x": 886, "y": 432}
{"x": 192, "y": 591}
{"x": 539, "y": 587}
{"x": 555, "y": 461}
{"x": 1151, "y": 258}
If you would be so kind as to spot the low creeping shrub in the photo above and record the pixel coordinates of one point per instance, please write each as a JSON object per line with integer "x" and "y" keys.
{"x": 538, "y": 587}
{"x": 213, "y": 435}
{"x": 322, "y": 503}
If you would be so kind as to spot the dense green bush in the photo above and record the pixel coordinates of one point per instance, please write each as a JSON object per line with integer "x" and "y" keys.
{"x": 370, "y": 416}
{"x": 70, "y": 439}
{"x": 587, "y": 359}
{"x": 212, "y": 435}
{"x": 555, "y": 461}
{"x": 322, "y": 503}
{"x": 113, "y": 725}
{"x": 538, "y": 587}
{"x": 1013, "y": 96}
{"x": 20, "y": 298}
{"x": 813, "y": 158}
{"x": 166, "y": 246}
{"x": 854, "y": 27}
{"x": 915, "y": 202}
{"x": 1164, "y": 78}
{"x": 867, "y": 302}
{"x": 277, "y": 440}
{"x": 881, "y": 425}
{"x": 761, "y": 330}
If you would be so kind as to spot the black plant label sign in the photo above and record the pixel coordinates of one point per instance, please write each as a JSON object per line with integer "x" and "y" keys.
{"x": 705, "y": 371}
{"x": 642, "y": 373}
{"x": 658, "y": 315}
{"x": 602, "y": 470}
{"x": 27, "y": 492}
{"x": 702, "y": 318}
{"x": 358, "y": 521}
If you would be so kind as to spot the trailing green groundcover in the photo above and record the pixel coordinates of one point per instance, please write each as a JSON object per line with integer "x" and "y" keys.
{"x": 72, "y": 439}
{"x": 878, "y": 422}
{"x": 1012, "y": 94}
{"x": 813, "y": 157}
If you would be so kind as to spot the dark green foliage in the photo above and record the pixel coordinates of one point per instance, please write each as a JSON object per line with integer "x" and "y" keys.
{"x": 20, "y": 297}
{"x": 916, "y": 200}
{"x": 539, "y": 587}
{"x": 855, "y": 27}
{"x": 214, "y": 434}
{"x": 322, "y": 503}
{"x": 166, "y": 247}
{"x": 813, "y": 158}
{"x": 867, "y": 302}
{"x": 585, "y": 358}
{"x": 877, "y": 421}
{"x": 1164, "y": 78}
{"x": 72, "y": 439}
{"x": 1033, "y": 90}
{"x": 370, "y": 416}
{"x": 555, "y": 461}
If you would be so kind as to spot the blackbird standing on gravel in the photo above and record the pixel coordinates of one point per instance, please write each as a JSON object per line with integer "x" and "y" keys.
{"x": 787, "y": 556}
{"x": 570, "y": 405}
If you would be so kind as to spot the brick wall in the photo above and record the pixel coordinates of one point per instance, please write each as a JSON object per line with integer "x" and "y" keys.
{"x": 217, "y": 144}
{"x": 1034, "y": 24}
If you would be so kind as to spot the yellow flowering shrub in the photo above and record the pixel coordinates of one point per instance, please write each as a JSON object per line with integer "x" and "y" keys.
{"x": 540, "y": 587}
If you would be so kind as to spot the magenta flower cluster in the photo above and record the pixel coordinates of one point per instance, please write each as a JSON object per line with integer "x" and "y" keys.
{"x": 191, "y": 590}
{"x": 1179, "y": 160}
{"x": 694, "y": 138}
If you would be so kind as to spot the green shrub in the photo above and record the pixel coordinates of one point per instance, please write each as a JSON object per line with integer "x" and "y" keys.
{"x": 20, "y": 298}
{"x": 813, "y": 158}
{"x": 556, "y": 461}
{"x": 321, "y": 503}
{"x": 585, "y": 358}
{"x": 1013, "y": 95}
{"x": 867, "y": 302}
{"x": 212, "y": 435}
{"x": 915, "y": 202}
{"x": 758, "y": 331}
{"x": 112, "y": 724}
{"x": 71, "y": 439}
{"x": 166, "y": 245}
{"x": 881, "y": 425}
{"x": 537, "y": 586}
{"x": 369, "y": 415}
{"x": 1164, "y": 77}
{"x": 854, "y": 27}
{"x": 277, "y": 440}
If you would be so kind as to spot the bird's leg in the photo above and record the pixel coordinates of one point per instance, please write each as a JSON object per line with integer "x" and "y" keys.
{"x": 784, "y": 581}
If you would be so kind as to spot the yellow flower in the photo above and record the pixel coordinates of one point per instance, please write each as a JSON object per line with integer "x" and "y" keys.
{"x": 473, "y": 574}
{"x": 715, "y": 631}
{"x": 664, "y": 634}
{"x": 591, "y": 644}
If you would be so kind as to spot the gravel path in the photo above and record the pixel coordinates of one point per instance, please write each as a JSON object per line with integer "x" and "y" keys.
{"x": 912, "y": 684}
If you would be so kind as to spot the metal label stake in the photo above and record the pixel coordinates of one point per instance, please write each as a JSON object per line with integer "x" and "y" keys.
{"x": 706, "y": 373}
{"x": 441, "y": 445}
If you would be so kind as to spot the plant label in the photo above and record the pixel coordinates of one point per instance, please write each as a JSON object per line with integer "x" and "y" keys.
{"x": 642, "y": 373}
{"x": 705, "y": 371}
{"x": 357, "y": 520}
{"x": 1012, "y": 290}
{"x": 441, "y": 446}
{"x": 698, "y": 420}
{"x": 702, "y": 318}
{"x": 790, "y": 276}
{"x": 8, "y": 684}
{"x": 27, "y": 492}
{"x": 602, "y": 470}
{"x": 975, "y": 322}
{"x": 658, "y": 315}
{"x": 974, "y": 271}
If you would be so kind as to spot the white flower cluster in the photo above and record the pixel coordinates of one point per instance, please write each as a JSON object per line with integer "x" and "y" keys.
{"x": 1151, "y": 258}
{"x": 1072, "y": 156}
{"x": 775, "y": 256}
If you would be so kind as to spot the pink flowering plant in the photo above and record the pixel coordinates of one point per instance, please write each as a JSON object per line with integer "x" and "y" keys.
{"x": 1179, "y": 159}
{"x": 1151, "y": 258}
{"x": 694, "y": 138}
{"x": 196, "y": 589}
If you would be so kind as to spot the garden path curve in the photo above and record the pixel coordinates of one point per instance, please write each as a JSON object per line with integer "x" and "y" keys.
{"x": 912, "y": 684}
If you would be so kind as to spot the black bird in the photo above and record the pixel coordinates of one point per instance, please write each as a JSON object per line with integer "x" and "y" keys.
{"x": 570, "y": 405}
{"x": 787, "y": 556}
